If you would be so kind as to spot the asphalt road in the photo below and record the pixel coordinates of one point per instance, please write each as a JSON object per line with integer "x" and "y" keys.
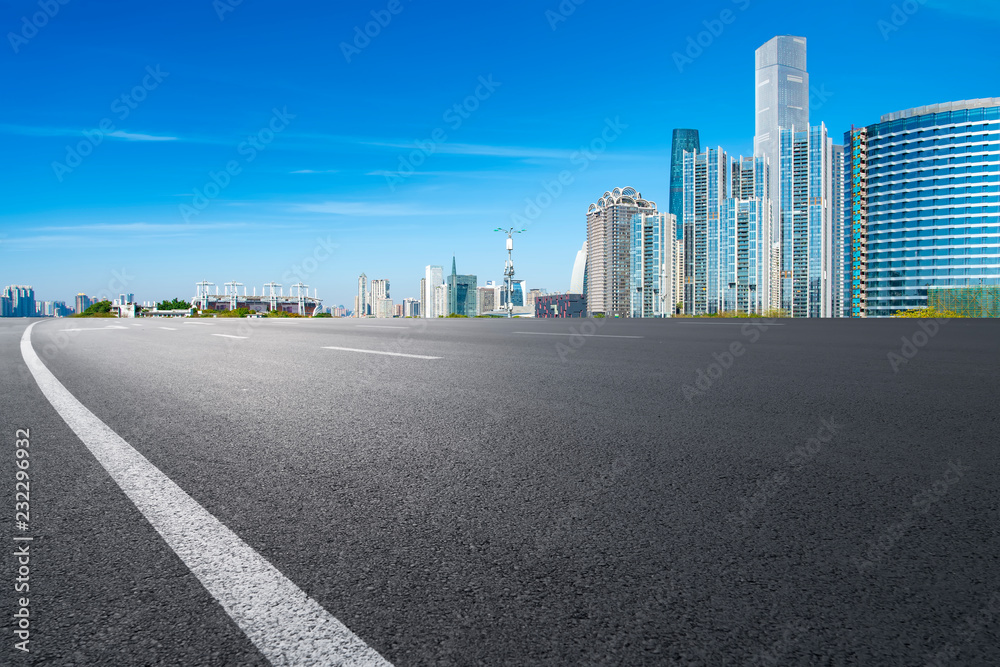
{"x": 512, "y": 494}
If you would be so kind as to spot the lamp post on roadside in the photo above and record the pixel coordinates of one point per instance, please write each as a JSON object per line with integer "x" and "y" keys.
{"x": 508, "y": 272}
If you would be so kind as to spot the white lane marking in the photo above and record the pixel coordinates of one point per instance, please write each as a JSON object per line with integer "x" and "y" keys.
{"x": 388, "y": 354}
{"x": 539, "y": 333}
{"x": 113, "y": 326}
{"x": 168, "y": 329}
{"x": 202, "y": 324}
{"x": 749, "y": 322}
{"x": 284, "y": 623}
{"x": 375, "y": 326}
{"x": 137, "y": 325}
{"x": 228, "y": 336}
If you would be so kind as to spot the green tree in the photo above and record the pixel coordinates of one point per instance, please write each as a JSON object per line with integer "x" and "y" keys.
{"x": 176, "y": 304}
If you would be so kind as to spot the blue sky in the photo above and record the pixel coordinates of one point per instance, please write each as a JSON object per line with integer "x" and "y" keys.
{"x": 315, "y": 135}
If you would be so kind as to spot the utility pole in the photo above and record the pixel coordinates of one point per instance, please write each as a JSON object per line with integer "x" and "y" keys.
{"x": 508, "y": 272}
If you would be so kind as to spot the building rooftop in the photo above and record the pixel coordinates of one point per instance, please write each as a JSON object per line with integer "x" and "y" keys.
{"x": 940, "y": 108}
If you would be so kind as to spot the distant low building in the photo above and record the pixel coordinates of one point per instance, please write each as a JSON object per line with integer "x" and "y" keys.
{"x": 561, "y": 306}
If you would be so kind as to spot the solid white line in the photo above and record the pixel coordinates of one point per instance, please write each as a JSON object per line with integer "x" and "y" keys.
{"x": 228, "y": 336}
{"x": 375, "y": 326}
{"x": 284, "y": 623}
{"x": 540, "y": 333}
{"x": 388, "y": 354}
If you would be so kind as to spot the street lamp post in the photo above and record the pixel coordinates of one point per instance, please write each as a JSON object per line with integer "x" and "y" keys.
{"x": 508, "y": 272}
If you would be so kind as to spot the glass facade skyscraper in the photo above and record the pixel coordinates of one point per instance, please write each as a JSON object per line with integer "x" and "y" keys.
{"x": 683, "y": 141}
{"x": 782, "y": 101}
{"x": 925, "y": 204}
{"x": 462, "y": 293}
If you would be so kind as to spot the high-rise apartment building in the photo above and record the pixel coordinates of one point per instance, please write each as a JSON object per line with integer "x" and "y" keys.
{"x": 684, "y": 141}
{"x": 746, "y": 238}
{"x": 411, "y": 308}
{"x": 433, "y": 278}
{"x": 83, "y": 302}
{"x": 380, "y": 300}
{"x": 609, "y": 226}
{"x": 925, "y": 204}
{"x": 361, "y": 300}
{"x": 705, "y": 189}
{"x": 806, "y": 222}
{"x": 423, "y": 297}
{"x": 653, "y": 239}
{"x": 840, "y": 279}
{"x": 486, "y": 301}
{"x": 19, "y": 301}
{"x": 440, "y": 300}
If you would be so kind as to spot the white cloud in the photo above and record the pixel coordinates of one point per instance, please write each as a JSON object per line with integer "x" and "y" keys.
{"x": 129, "y": 136}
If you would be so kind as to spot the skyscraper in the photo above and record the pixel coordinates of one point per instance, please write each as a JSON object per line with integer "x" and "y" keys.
{"x": 21, "y": 300}
{"x": 433, "y": 277}
{"x": 361, "y": 300}
{"x": 745, "y": 245}
{"x": 653, "y": 238}
{"x": 462, "y": 292}
{"x": 683, "y": 140}
{"x": 841, "y": 238}
{"x": 423, "y": 297}
{"x": 609, "y": 226}
{"x": 380, "y": 301}
{"x": 782, "y": 100}
{"x": 806, "y": 222}
{"x": 705, "y": 189}
{"x": 924, "y": 204}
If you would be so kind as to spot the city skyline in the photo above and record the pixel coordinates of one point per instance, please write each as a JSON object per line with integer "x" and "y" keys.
{"x": 320, "y": 207}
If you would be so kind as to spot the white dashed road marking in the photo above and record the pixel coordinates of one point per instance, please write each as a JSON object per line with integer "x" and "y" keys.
{"x": 388, "y": 354}
{"x": 284, "y": 623}
{"x": 376, "y": 326}
{"x": 539, "y": 333}
{"x": 228, "y": 336}
{"x": 113, "y": 326}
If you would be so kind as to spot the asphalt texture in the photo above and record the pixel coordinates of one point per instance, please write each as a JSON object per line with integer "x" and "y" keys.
{"x": 828, "y": 495}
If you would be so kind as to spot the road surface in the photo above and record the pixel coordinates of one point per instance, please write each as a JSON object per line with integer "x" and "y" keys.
{"x": 685, "y": 492}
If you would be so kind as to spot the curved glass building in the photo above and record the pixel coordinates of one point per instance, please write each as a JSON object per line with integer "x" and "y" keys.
{"x": 923, "y": 196}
